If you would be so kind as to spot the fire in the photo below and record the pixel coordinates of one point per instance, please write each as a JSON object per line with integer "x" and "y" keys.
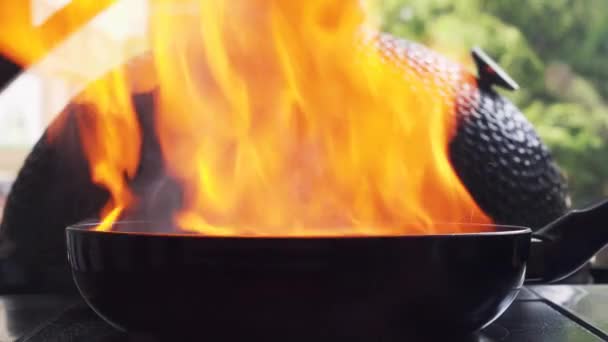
{"x": 31, "y": 28}
{"x": 280, "y": 118}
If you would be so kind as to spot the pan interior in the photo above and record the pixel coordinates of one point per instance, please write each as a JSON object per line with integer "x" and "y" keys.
{"x": 153, "y": 228}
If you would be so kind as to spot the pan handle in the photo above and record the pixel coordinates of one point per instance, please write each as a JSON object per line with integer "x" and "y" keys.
{"x": 566, "y": 244}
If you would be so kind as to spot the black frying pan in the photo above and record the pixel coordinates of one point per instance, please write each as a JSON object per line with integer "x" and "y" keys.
{"x": 329, "y": 288}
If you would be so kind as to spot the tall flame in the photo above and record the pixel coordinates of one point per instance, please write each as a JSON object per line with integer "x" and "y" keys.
{"x": 280, "y": 118}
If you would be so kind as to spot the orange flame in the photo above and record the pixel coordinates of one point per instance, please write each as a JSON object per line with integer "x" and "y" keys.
{"x": 111, "y": 140}
{"x": 278, "y": 119}
{"x": 26, "y": 38}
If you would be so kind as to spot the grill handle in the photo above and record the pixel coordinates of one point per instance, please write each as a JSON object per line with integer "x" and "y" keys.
{"x": 564, "y": 246}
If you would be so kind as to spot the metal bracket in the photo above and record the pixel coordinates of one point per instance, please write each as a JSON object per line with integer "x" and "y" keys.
{"x": 489, "y": 73}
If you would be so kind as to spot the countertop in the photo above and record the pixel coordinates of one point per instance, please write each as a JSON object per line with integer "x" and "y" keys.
{"x": 541, "y": 313}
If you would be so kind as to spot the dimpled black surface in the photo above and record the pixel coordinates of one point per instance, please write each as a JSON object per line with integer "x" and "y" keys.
{"x": 53, "y": 189}
{"x": 496, "y": 152}
{"x": 505, "y": 166}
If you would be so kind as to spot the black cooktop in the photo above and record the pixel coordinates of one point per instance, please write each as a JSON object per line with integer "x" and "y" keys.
{"x": 541, "y": 313}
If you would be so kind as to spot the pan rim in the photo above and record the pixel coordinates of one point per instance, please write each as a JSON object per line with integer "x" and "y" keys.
{"x": 501, "y": 230}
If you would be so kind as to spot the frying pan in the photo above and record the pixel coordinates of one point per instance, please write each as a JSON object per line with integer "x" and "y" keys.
{"x": 321, "y": 288}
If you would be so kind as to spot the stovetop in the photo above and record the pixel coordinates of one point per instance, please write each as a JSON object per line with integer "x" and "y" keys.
{"x": 542, "y": 313}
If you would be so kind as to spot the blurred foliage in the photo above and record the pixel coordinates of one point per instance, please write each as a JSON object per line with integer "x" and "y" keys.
{"x": 557, "y": 50}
